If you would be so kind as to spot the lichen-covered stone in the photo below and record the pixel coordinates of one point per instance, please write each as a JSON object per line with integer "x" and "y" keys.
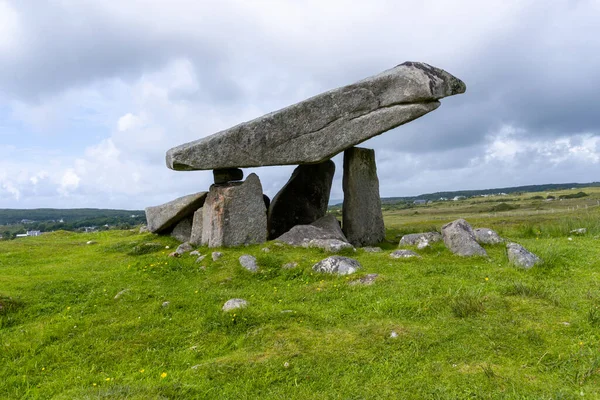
{"x": 520, "y": 256}
{"x": 487, "y": 236}
{"x": 163, "y": 218}
{"x": 233, "y": 304}
{"x": 324, "y": 228}
{"x": 197, "y": 226}
{"x": 460, "y": 239}
{"x": 234, "y": 214}
{"x": 337, "y": 265}
{"x": 248, "y": 262}
{"x": 362, "y": 218}
{"x": 183, "y": 229}
{"x": 413, "y": 239}
{"x": 316, "y": 129}
{"x": 403, "y": 254}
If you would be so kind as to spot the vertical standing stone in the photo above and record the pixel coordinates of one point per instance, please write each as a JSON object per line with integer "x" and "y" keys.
{"x": 362, "y": 220}
{"x": 303, "y": 199}
{"x": 234, "y": 214}
{"x": 197, "y": 225}
{"x": 183, "y": 230}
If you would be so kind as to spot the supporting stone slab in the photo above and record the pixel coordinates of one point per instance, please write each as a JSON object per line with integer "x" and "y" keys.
{"x": 163, "y": 218}
{"x": 303, "y": 199}
{"x": 362, "y": 218}
{"x": 234, "y": 214}
{"x": 227, "y": 175}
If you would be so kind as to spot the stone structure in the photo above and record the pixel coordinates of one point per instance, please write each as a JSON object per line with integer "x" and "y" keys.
{"x": 413, "y": 239}
{"x": 163, "y": 218}
{"x": 316, "y": 129}
{"x": 234, "y": 214}
{"x": 520, "y": 256}
{"x": 303, "y": 199}
{"x": 307, "y": 134}
{"x": 183, "y": 229}
{"x": 487, "y": 236}
{"x": 362, "y": 220}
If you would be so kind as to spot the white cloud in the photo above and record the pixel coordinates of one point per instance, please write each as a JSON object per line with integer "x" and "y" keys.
{"x": 69, "y": 182}
{"x": 10, "y": 29}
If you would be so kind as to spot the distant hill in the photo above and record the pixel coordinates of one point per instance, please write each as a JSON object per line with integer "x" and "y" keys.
{"x": 470, "y": 193}
{"x": 75, "y": 217}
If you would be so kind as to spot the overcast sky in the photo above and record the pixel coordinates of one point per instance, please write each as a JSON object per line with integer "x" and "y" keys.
{"x": 94, "y": 92}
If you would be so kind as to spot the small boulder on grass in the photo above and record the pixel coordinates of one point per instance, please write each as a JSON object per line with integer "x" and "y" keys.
{"x": 413, "y": 239}
{"x": 365, "y": 280}
{"x": 460, "y": 239}
{"x": 404, "y": 254}
{"x": 579, "y": 231}
{"x": 184, "y": 248}
{"x": 372, "y": 249}
{"x": 520, "y": 256}
{"x": 329, "y": 245}
{"x": 248, "y": 262}
{"x": 233, "y": 304}
{"x": 216, "y": 255}
{"x": 337, "y": 265}
{"x": 487, "y": 236}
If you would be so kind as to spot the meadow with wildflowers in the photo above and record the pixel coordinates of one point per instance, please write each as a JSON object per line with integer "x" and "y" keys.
{"x": 119, "y": 319}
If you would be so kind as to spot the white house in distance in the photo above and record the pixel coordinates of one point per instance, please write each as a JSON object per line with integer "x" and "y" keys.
{"x": 29, "y": 233}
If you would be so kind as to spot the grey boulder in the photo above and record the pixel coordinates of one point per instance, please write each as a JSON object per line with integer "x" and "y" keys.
{"x": 234, "y": 214}
{"x": 487, "y": 236}
{"x": 164, "y": 217}
{"x": 413, "y": 239}
{"x": 337, "y": 265}
{"x": 520, "y": 256}
{"x": 460, "y": 239}
{"x": 197, "y": 224}
{"x": 248, "y": 262}
{"x": 324, "y": 228}
{"x": 184, "y": 248}
{"x": 318, "y": 128}
{"x": 234, "y": 304}
{"x": 329, "y": 245}
{"x": 303, "y": 199}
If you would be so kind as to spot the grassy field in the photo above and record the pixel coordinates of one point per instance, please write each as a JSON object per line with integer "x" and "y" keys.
{"x": 120, "y": 320}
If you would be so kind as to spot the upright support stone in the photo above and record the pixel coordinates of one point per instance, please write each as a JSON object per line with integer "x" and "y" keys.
{"x": 197, "y": 226}
{"x": 303, "y": 199}
{"x": 362, "y": 220}
{"x": 234, "y": 214}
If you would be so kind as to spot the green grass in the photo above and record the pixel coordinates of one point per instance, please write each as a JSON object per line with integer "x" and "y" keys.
{"x": 467, "y": 328}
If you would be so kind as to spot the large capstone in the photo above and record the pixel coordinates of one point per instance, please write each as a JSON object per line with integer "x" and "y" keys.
{"x": 318, "y": 128}
{"x": 234, "y": 214}
{"x": 163, "y": 218}
{"x": 303, "y": 199}
{"x": 362, "y": 218}
{"x": 460, "y": 239}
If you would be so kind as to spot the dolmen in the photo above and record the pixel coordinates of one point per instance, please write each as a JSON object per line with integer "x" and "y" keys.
{"x": 235, "y": 211}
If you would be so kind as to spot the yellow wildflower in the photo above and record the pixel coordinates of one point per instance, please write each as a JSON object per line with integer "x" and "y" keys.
{"x": 163, "y": 375}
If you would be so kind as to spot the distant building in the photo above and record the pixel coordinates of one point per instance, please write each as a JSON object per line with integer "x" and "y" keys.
{"x": 456, "y": 198}
{"x": 89, "y": 229}
{"x": 21, "y": 235}
{"x": 33, "y": 233}
{"x": 419, "y": 202}
{"x": 27, "y": 221}
{"x": 443, "y": 199}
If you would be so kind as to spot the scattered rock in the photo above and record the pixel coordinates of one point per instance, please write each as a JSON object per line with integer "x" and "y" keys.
{"x": 227, "y": 175}
{"x": 324, "y": 228}
{"x": 121, "y": 293}
{"x": 248, "y": 262}
{"x": 91, "y": 242}
{"x": 184, "y": 248}
{"x": 266, "y": 250}
{"x": 216, "y": 255}
{"x": 165, "y": 304}
{"x": 393, "y": 334}
{"x": 167, "y": 247}
{"x": 233, "y": 304}
{"x": 303, "y": 199}
{"x": 404, "y": 254}
{"x": 337, "y": 265}
{"x": 197, "y": 226}
{"x": 569, "y": 238}
{"x": 423, "y": 244}
{"x": 413, "y": 239}
{"x": 520, "y": 256}
{"x": 289, "y": 265}
{"x": 372, "y": 249}
{"x": 330, "y": 245}
{"x": 235, "y": 214}
{"x": 183, "y": 229}
{"x": 362, "y": 218}
{"x": 200, "y": 259}
{"x": 194, "y": 253}
{"x": 365, "y": 280}
{"x": 164, "y": 217}
{"x": 144, "y": 229}
{"x": 460, "y": 239}
{"x": 579, "y": 231}
{"x": 174, "y": 254}
{"x": 316, "y": 129}
{"x": 487, "y": 236}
